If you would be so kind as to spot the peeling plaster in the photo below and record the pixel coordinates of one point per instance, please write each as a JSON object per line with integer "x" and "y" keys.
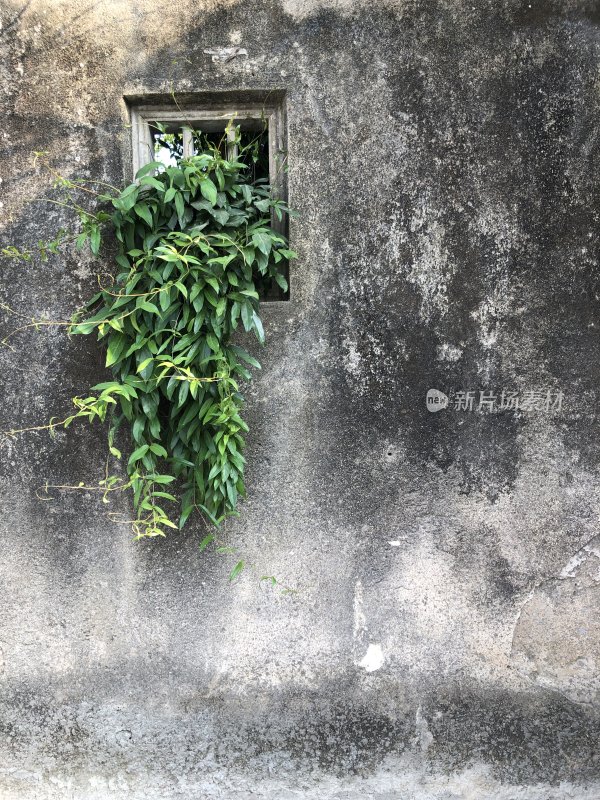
{"x": 373, "y": 658}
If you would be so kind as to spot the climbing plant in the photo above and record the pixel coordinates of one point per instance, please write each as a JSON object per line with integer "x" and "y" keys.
{"x": 194, "y": 246}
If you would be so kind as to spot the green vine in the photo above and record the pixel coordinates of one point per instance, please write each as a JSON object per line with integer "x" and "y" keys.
{"x": 195, "y": 246}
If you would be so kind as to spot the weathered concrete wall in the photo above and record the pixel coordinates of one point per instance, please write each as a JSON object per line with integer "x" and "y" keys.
{"x": 444, "y": 641}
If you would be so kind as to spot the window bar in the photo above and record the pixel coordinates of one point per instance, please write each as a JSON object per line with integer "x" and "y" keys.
{"x": 188, "y": 142}
{"x": 232, "y": 148}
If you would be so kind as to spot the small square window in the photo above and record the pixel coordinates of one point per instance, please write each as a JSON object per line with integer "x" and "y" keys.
{"x": 191, "y": 122}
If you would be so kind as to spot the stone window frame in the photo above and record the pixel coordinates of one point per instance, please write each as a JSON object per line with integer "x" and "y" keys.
{"x": 211, "y": 112}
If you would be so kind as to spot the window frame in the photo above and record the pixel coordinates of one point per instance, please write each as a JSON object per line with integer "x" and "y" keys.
{"x": 213, "y": 110}
{"x": 212, "y": 115}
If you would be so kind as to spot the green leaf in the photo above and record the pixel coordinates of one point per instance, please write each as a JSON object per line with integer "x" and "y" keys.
{"x": 165, "y": 495}
{"x": 179, "y": 205}
{"x": 221, "y": 216}
{"x": 144, "y": 364}
{"x": 245, "y": 356}
{"x": 249, "y": 255}
{"x": 129, "y": 190}
{"x": 142, "y": 210}
{"x": 213, "y": 343}
{"x": 95, "y": 240}
{"x": 258, "y": 327}
{"x": 123, "y": 261}
{"x": 183, "y": 392}
{"x": 138, "y": 454}
{"x": 231, "y": 494}
{"x": 209, "y": 514}
{"x": 147, "y": 181}
{"x": 161, "y": 478}
{"x": 164, "y": 298}
{"x": 150, "y": 307}
{"x": 209, "y": 191}
{"x": 221, "y": 305}
{"x": 138, "y": 427}
{"x": 148, "y": 168}
{"x": 154, "y": 427}
{"x": 167, "y": 522}
{"x": 281, "y": 281}
{"x": 236, "y": 570}
{"x": 116, "y": 345}
{"x": 187, "y": 510}
{"x": 206, "y": 541}
{"x": 213, "y": 282}
{"x": 247, "y": 316}
{"x": 262, "y": 241}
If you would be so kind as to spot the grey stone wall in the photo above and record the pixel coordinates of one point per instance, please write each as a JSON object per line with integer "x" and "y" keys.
{"x": 443, "y": 641}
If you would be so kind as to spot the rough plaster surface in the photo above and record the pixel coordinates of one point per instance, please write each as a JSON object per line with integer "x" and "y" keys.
{"x": 443, "y": 641}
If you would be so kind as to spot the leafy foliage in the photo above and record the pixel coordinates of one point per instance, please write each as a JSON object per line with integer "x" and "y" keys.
{"x": 195, "y": 245}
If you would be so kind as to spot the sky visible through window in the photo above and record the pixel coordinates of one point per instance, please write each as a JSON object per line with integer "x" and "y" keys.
{"x": 253, "y": 148}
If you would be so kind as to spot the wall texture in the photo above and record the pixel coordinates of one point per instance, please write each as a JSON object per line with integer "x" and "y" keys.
{"x": 444, "y": 638}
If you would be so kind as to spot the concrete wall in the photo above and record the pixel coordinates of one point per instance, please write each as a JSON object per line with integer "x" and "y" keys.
{"x": 444, "y": 640}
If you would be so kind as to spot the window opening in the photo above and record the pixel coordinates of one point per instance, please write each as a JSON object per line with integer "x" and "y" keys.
{"x": 166, "y": 134}
{"x": 170, "y": 145}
